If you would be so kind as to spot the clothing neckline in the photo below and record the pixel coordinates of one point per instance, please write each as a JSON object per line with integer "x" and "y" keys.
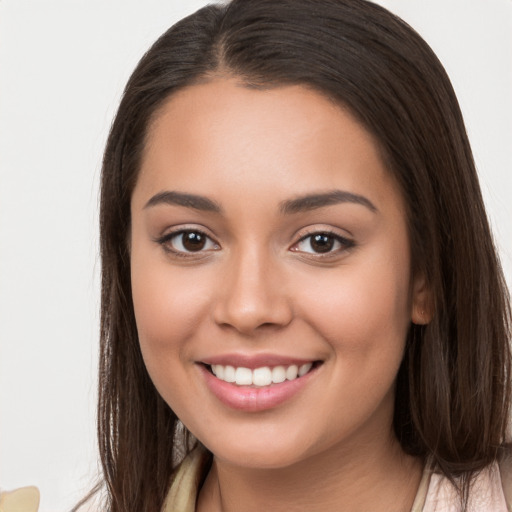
{"x": 191, "y": 473}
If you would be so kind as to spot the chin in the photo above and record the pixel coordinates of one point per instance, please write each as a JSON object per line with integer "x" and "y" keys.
{"x": 257, "y": 459}
{"x": 262, "y": 452}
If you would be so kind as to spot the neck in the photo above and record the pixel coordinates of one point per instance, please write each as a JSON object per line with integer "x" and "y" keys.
{"x": 376, "y": 475}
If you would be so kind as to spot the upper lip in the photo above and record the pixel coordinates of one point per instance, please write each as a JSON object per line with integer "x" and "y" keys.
{"x": 255, "y": 361}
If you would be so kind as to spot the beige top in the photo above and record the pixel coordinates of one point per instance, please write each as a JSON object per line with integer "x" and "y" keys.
{"x": 490, "y": 492}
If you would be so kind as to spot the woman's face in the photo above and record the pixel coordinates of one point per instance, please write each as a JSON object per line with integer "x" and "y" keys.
{"x": 269, "y": 246}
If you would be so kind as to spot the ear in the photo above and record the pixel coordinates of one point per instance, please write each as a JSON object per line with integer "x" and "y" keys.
{"x": 422, "y": 303}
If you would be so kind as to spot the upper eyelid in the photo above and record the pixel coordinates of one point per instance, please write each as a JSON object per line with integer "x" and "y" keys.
{"x": 166, "y": 238}
{"x": 328, "y": 233}
{"x": 298, "y": 237}
{"x": 346, "y": 243}
{"x": 320, "y": 232}
{"x": 165, "y": 242}
{"x": 171, "y": 231}
{"x": 335, "y": 232}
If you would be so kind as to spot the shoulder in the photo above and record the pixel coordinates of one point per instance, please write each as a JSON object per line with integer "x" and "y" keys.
{"x": 505, "y": 467}
{"x": 490, "y": 489}
{"x": 187, "y": 479}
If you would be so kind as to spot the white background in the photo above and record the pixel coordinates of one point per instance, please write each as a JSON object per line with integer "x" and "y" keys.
{"x": 63, "y": 64}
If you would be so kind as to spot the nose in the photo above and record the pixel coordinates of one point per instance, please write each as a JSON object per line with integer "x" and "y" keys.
{"x": 253, "y": 295}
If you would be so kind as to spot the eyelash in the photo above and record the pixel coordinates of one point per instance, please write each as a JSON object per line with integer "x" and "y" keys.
{"x": 345, "y": 243}
{"x": 165, "y": 242}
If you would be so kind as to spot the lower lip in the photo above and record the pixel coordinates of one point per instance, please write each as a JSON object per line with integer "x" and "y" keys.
{"x": 252, "y": 399}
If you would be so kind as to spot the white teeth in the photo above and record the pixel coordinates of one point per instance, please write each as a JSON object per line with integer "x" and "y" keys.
{"x": 278, "y": 374}
{"x": 259, "y": 377}
{"x": 304, "y": 369}
{"x": 243, "y": 376}
{"x": 218, "y": 370}
{"x": 229, "y": 373}
{"x": 262, "y": 376}
{"x": 292, "y": 372}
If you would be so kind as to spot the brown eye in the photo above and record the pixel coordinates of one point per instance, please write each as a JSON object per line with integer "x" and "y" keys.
{"x": 187, "y": 241}
{"x": 193, "y": 241}
{"x": 321, "y": 242}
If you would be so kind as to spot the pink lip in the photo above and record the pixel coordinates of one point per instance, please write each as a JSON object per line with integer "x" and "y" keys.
{"x": 254, "y": 361}
{"x": 252, "y": 399}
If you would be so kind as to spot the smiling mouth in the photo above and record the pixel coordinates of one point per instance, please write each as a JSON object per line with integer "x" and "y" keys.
{"x": 263, "y": 376}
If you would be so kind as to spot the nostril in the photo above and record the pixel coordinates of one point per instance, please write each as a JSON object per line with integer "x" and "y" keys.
{"x": 252, "y": 303}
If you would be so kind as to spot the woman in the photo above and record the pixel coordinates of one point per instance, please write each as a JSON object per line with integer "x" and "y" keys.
{"x": 297, "y": 264}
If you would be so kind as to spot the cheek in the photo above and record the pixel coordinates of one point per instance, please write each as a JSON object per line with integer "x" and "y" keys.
{"x": 363, "y": 314}
{"x": 363, "y": 308}
{"x": 169, "y": 308}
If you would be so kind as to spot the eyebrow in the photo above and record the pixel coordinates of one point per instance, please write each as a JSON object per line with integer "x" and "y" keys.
{"x": 300, "y": 204}
{"x": 181, "y": 199}
{"x": 314, "y": 201}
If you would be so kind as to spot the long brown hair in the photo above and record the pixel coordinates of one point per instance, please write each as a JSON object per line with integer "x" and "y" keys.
{"x": 453, "y": 388}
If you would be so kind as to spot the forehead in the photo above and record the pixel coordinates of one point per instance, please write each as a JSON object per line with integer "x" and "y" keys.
{"x": 288, "y": 139}
{"x": 200, "y": 111}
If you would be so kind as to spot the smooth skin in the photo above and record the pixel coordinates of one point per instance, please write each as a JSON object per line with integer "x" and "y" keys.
{"x": 249, "y": 278}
